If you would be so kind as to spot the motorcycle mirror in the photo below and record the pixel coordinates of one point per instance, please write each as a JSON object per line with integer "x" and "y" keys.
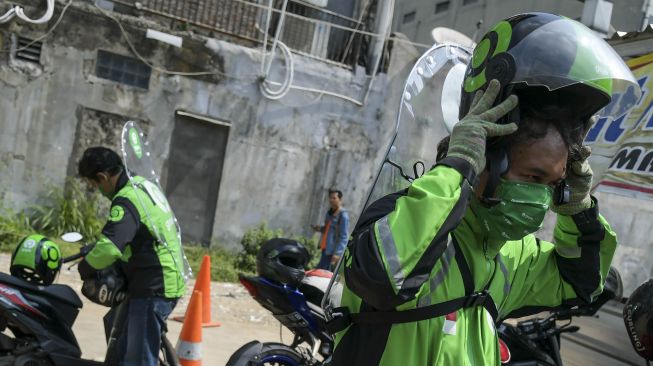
{"x": 72, "y": 237}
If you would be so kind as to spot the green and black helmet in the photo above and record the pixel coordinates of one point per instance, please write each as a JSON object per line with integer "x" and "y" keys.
{"x": 36, "y": 259}
{"x": 550, "y": 60}
{"x": 549, "y": 51}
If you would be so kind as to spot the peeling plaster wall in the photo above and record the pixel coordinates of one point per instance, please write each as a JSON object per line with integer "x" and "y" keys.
{"x": 281, "y": 156}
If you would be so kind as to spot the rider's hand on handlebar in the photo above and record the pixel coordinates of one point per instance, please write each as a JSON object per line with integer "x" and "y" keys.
{"x": 85, "y": 270}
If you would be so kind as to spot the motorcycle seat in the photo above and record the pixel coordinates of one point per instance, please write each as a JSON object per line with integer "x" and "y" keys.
{"x": 60, "y": 293}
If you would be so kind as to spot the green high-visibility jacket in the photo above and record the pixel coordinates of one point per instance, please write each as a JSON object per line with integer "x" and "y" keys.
{"x": 408, "y": 250}
{"x": 139, "y": 215}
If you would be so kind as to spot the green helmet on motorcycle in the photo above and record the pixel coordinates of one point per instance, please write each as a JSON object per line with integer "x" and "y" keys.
{"x": 36, "y": 259}
{"x": 548, "y": 61}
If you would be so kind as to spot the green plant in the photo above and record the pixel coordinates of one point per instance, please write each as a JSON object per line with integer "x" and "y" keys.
{"x": 226, "y": 264}
{"x": 13, "y": 228}
{"x": 69, "y": 209}
{"x": 310, "y": 242}
{"x": 223, "y": 266}
{"x": 60, "y": 210}
{"x": 251, "y": 243}
{"x": 255, "y": 237}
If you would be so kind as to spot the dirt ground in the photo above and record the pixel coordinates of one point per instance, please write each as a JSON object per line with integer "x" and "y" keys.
{"x": 242, "y": 320}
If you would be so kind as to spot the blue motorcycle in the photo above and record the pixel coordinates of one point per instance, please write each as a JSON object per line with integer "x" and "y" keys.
{"x": 298, "y": 309}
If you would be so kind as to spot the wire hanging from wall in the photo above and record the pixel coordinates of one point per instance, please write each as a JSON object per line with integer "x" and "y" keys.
{"x": 264, "y": 84}
{"x": 285, "y": 51}
{"x": 158, "y": 69}
{"x": 287, "y": 85}
{"x": 17, "y": 11}
{"x": 46, "y": 33}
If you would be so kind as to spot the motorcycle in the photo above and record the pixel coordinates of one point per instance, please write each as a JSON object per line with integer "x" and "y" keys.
{"x": 536, "y": 341}
{"x": 531, "y": 342}
{"x": 298, "y": 309}
{"x": 41, "y": 318}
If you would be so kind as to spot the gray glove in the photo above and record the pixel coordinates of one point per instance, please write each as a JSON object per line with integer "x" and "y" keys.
{"x": 468, "y": 137}
{"x": 579, "y": 179}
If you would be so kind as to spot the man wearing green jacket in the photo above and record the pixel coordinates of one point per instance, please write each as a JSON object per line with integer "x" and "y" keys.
{"x": 429, "y": 270}
{"x": 129, "y": 240}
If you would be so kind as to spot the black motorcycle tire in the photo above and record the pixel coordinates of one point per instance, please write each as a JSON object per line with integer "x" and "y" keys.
{"x": 168, "y": 356}
{"x": 243, "y": 356}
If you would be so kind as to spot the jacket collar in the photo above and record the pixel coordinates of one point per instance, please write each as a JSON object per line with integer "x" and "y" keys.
{"x": 490, "y": 247}
{"x": 122, "y": 182}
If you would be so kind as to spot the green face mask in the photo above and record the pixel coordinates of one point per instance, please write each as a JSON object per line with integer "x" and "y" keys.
{"x": 519, "y": 213}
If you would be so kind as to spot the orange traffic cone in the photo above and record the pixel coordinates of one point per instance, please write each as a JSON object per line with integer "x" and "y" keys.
{"x": 189, "y": 345}
{"x": 203, "y": 285}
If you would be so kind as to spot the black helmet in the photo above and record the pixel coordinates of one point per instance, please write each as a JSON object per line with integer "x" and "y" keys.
{"x": 282, "y": 260}
{"x": 638, "y": 318}
{"x": 550, "y": 51}
{"x": 548, "y": 60}
{"x": 36, "y": 259}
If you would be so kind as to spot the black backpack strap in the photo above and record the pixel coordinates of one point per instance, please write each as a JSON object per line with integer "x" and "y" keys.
{"x": 468, "y": 280}
{"x": 342, "y": 318}
{"x": 465, "y": 272}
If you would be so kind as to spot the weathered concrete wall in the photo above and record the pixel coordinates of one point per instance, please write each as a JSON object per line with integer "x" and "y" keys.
{"x": 281, "y": 155}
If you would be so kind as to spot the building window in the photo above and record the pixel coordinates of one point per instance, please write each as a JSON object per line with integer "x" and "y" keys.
{"x": 469, "y": 2}
{"x": 28, "y": 50}
{"x": 122, "y": 69}
{"x": 441, "y": 7}
{"x": 409, "y": 17}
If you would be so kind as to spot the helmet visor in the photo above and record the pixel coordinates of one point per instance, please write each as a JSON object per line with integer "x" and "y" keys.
{"x": 564, "y": 52}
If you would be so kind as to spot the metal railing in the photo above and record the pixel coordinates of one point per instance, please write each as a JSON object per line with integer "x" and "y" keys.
{"x": 319, "y": 33}
{"x": 308, "y": 30}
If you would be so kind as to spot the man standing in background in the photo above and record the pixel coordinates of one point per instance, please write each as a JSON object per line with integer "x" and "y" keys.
{"x": 334, "y": 232}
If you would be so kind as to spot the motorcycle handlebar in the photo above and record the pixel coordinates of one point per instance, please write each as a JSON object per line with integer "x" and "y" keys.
{"x": 568, "y": 313}
{"x": 82, "y": 252}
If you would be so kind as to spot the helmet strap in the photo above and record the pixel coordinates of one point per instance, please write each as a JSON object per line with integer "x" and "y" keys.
{"x": 497, "y": 165}
{"x": 497, "y": 162}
